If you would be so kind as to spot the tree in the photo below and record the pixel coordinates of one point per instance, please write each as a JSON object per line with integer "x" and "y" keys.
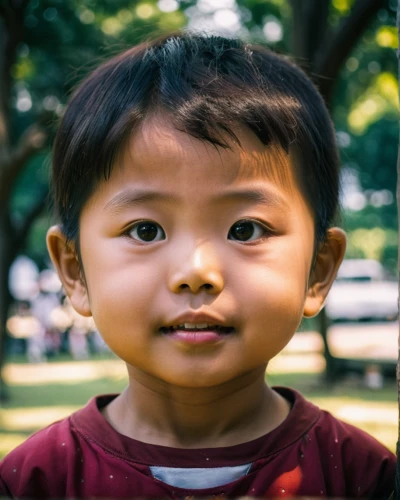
{"x": 325, "y": 53}
{"x": 13, "y": 156}
{"x": 40, "y": 44}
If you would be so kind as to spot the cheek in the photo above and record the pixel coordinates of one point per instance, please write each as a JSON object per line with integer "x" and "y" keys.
{"x": 275, "y": 301}
{"x": 121, "y": 292}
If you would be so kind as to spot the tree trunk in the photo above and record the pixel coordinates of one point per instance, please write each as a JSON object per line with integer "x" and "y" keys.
{"x": 322, "y": 54}
{"x": 6, "y": 258}
{"x": 310, "y": 28}
{"x": 310, "y": 25}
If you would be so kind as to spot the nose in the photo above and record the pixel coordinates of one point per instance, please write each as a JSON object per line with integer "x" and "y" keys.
{"x": 196, "y": 271}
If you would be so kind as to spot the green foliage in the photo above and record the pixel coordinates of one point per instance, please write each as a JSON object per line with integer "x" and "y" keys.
{"x": 64, "y": 40}
{"x": 372, "y": 234}
{"x": 365, "y": 109}
{"x": 256, "y": 13}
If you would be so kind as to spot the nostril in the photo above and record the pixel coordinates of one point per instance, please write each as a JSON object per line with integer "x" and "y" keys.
{"x": 206, "y": 286}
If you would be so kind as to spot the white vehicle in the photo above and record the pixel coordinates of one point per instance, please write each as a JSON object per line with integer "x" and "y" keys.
{"x": 362, "y": 291}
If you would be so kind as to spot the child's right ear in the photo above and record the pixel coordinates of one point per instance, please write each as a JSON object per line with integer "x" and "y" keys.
{"x": 65, "y": 260}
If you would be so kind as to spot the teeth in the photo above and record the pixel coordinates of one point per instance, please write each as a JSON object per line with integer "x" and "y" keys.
{"x": 194, "y": 326}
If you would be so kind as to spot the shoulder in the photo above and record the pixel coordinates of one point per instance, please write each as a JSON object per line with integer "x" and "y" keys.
{"x": 36, "y": 459}
{"x": 329, "y": 431}
{"x": 353, "y": 463}
{"x": 351, "y": 439}
{"x": 368, "y": 466}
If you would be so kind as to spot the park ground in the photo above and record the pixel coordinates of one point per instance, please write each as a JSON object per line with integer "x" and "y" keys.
{"x": 46, "y": 392}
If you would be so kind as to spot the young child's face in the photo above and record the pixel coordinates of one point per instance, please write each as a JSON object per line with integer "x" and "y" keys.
{"x": 184, "y": 232}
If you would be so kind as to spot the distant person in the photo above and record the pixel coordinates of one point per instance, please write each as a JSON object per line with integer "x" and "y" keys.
{"x": 43, "y": 305}
{"x": 196, "y": 182}
{"x": 24, "y": 326}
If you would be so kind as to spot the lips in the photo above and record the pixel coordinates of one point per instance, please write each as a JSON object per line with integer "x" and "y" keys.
{"x": 198, "y": 327}
{"x": 194, "y": 328}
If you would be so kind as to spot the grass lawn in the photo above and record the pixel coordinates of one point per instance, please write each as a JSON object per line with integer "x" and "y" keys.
{"x": 43, "y": 393}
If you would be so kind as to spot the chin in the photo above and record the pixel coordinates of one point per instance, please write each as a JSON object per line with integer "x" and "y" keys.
{"x": 205, "y": 380}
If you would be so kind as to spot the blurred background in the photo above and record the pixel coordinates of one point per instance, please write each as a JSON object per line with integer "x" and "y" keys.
{"x": 52, "y": 361}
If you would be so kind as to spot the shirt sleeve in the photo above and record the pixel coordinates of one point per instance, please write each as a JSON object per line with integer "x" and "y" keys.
{"x": 355, "y": 464}
{"x": 4, "y": 491}
{"x": 32, "y": 470}
{"x": 381, "y": 473}
{"x": 370, "y": 467}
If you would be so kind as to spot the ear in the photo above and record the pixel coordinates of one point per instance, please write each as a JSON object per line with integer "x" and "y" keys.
{"x": 65, "y": 260}
{"x": 327, "y": 263}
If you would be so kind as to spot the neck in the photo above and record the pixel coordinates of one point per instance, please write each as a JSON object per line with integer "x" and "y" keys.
{"x": 231, "y": 413}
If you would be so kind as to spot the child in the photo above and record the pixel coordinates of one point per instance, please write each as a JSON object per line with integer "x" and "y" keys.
{"x": 196, "y": 182}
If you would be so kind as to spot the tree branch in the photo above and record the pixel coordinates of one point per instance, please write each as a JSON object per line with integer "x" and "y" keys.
{"x": 310, "y": 19}
{"x": 335, "y": 54}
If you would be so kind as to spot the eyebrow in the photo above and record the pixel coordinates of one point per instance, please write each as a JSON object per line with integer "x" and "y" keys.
{"x": 261, "y": 196}
{"x": 130, "y": 198}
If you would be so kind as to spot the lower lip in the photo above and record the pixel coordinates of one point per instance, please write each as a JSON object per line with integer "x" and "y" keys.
{"x": 196, "y": 336}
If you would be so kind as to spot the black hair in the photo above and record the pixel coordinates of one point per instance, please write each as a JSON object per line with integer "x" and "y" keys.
{"x": 206, "y": 85}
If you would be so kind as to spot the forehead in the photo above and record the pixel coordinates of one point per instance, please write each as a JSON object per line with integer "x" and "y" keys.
{"x": 159, "y": 150}
{"x": 174, "y": 165}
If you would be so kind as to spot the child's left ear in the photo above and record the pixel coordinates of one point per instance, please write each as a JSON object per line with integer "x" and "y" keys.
{"x": 327, "y": 263}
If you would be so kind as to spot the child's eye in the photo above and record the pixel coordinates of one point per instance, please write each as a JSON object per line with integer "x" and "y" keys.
{"x": 247, "y": 230}
{"x": 146, "y": 231}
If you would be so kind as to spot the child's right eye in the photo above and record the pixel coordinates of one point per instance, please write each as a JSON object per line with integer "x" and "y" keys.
{"x": 146, "y": 231}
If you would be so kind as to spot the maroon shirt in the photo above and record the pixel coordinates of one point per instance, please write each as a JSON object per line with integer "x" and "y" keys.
{"x": 311, "y": 453}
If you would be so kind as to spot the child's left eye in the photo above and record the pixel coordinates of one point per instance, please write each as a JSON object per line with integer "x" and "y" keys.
{"x": 247, "y": 230}
{"x": 146, "y": 231}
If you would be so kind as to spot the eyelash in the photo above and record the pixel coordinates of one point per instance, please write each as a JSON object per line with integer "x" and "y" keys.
{"x": 267, "y": 232}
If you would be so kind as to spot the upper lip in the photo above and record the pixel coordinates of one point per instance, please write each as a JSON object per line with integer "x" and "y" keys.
{"x": 197, "y": 318}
